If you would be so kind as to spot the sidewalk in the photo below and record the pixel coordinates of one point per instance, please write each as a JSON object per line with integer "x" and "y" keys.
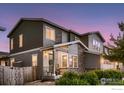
{"x": 38, "y": 82}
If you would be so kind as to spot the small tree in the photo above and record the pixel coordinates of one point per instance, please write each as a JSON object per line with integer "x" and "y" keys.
{"x": 117, "y": 48}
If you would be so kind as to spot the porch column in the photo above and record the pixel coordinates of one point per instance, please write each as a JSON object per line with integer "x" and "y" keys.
{"x": 54, "y": 64}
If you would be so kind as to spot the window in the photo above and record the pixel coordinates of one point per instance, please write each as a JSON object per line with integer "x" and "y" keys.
{"x": 64, "y": 61}
{"x": 71, "y": 62}
{"x": 75, "y": 61}
{"x": 34, "y": 60}
{"x": 96, "y": 44}
{"x": 12, "y": 60}
{"x": 3, "y": 63}
{"x": 21, "y": 40}
{"x": 50, "y": 33}
{"x": 11, "y": 43}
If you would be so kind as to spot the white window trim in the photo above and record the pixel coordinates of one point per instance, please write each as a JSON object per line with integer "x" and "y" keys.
{"x": 11, "y": 43}
{"x": 73, "y": 61}
{"x": 67, "y": 60}
{"x": 3, "y": 63}
{"x": 53, "y": 33}
{"x": 21, "y": 38}
{"x": 37, "y": 59}
{"x": 96, "y": 44}
{"x": 12, "y": 60}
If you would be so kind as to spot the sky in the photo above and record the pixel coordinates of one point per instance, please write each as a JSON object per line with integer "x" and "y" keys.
{"x": 79, "y": 17}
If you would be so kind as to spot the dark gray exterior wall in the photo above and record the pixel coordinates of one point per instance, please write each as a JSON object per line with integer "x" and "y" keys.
{"x": 91, "y": 61}
{"x": 72, "y": 37}
{"x": 26, "y": 59}
{"x": 84, "y": 39}
{"x": 32, "y": 33}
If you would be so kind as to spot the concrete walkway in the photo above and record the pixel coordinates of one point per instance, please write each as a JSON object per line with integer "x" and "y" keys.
{"x": 38, "y": 82}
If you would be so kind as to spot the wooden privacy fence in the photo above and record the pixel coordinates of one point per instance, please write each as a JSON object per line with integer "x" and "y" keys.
{"x": 16, "y": 75}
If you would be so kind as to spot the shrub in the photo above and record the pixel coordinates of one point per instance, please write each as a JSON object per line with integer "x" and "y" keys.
{"x": 99, "y": 73}
{"x": 71, "y": 78}
{"x": 70, "y": 75}
{"x": 79, "y": 82}
{"x": 62, "y": 81}
{"x": 113, "y": 74}
{"x": 74, "y": 81}
{"x": 91, "y": 77}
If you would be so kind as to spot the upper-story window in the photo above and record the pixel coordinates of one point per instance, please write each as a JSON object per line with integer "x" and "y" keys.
{"x": 21, "y": 40}
{"x": 11, "y": 43}
{"x": 50, "y": 33}
{"x": 96, "y": 44}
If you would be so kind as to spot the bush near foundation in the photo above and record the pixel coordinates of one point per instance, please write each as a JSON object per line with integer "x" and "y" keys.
{"x": 72, "y": 78}
{"x": 113, "y": 74}
{"x": 91, "y": 78}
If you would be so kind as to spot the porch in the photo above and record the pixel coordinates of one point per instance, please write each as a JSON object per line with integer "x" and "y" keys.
{"x": 59, "y": 59}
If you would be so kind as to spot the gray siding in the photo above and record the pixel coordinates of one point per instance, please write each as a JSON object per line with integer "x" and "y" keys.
{"x": 90, "y": 43}
{"x": 64, "y": 37}
{"x": 72, "y": 37}
{"x": 81, "y": 59}
{"x": 58, "y": 36}
{"x": 91, "y": 61}
{"x": 75, "y": 49}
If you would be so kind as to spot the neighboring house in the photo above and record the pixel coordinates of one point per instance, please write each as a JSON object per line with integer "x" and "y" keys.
{"x": 4, "y": 58}
{"x": 53, "y": 48}
{"x": 106, "y": 64}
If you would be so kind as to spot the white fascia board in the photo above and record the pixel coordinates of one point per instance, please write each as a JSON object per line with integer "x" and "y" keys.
{"x": 70, "y": 43}
{"x": 27, "y": 51}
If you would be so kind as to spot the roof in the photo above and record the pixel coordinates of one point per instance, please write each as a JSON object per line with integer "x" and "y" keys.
{"x": 96, "y": 32}
{"x": 54, "y": 24}
{"x": 4, "y": 54}
{"x": 42, "y": 20}
{"x": 72, "y": 42}
{"x": 2, "y": 28}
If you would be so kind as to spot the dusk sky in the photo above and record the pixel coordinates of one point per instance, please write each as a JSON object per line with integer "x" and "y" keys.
{"x": 79, "y": 17}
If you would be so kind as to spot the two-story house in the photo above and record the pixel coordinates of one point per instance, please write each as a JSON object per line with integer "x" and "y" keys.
{"x": 52, "y": 48}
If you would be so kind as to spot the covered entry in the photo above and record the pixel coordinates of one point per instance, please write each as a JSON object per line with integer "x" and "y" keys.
{"x": 48, "y": 63}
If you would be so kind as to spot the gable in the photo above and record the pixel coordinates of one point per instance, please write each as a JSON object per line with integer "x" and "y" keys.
{"x": 97, "y": 34}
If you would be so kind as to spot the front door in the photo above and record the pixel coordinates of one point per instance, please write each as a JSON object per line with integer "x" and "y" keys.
{"x": 48, "y": 63}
